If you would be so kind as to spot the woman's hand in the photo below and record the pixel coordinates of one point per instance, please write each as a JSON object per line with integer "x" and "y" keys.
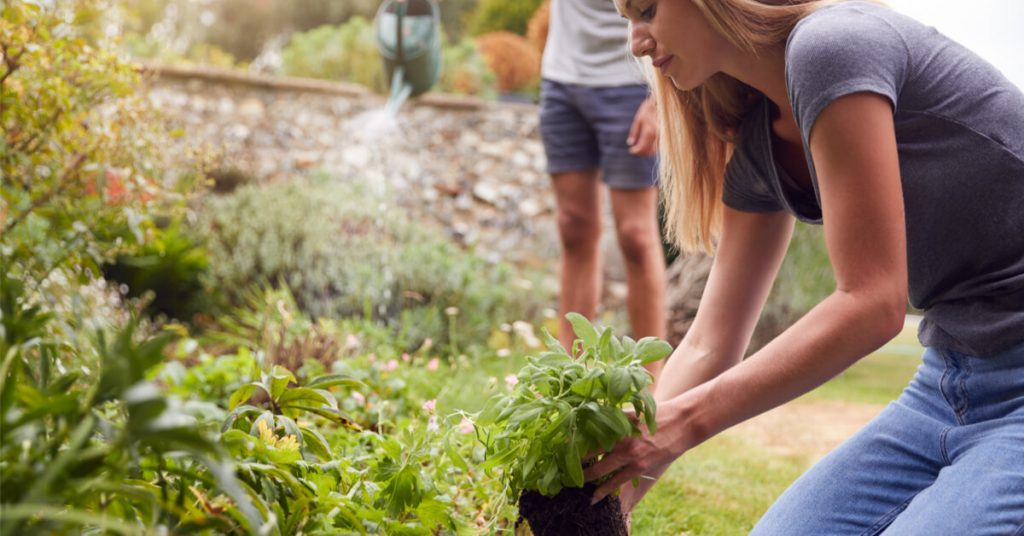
{"x": 644, "y": 457}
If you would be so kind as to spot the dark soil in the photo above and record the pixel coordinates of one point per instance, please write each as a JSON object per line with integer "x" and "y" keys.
{"x": 569, "y": 513}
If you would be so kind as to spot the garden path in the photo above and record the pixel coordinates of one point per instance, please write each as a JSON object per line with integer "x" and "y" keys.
{"x": 806, "y": 428}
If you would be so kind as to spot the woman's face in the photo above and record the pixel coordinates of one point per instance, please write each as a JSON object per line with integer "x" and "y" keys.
{"x": 677, "y": 37}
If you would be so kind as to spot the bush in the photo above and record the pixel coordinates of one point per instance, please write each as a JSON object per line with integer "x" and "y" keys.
{"x": 343, "y": 257}
{"x": 464, "y": 71}
{"x": 503, "y": 16}
{"x": 347, "y": 52}
{"x": 515, "y": 64}
{"x": 171, "y": 266}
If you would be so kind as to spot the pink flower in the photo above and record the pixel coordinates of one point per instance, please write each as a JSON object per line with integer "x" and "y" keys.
{"x": 433, "y": 364}
{"x": 391, "y": 365}
{"x": 430, "y": 405}
{"x": 511, "y": 380}
{"x": 466, "y": 426}
{"x": 406, "y": 357}
{"x": 351, "y": 342}
{"x": 358, "y": 397}
{"x": 372, "y": 358}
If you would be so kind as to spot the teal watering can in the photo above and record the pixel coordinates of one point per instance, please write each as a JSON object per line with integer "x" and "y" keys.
{"x": 409, "y": 41}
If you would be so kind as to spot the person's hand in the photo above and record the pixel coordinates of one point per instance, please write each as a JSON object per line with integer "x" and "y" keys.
{"x": 630, "y": 494}
{"x": 643, "y": 457}
{"x": 643, "y": 135}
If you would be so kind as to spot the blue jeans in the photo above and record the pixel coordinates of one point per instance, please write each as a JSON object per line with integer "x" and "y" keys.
{"x": 946, "y": 458}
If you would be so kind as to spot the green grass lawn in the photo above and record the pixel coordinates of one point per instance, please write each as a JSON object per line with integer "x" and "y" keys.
{"x": 723, "y": 486}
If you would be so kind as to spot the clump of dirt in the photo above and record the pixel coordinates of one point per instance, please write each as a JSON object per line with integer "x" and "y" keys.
{"x": 569, "y": 513}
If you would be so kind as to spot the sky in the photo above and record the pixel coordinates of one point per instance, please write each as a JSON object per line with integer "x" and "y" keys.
{"x": 994, "y": 29}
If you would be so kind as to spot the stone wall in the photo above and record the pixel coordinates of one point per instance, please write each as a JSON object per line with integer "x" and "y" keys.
{"x": 475, "y": 168}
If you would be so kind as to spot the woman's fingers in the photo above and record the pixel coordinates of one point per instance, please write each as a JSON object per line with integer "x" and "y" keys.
{"x": 622, "y": 476}
{"x": 608, "y": 464}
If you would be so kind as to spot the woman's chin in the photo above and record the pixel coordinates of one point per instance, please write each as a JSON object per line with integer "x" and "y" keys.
{"x": 684, "y": 83}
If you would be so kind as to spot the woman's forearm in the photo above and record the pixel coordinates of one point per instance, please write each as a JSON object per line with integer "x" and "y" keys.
{"x": 831, "y": 337}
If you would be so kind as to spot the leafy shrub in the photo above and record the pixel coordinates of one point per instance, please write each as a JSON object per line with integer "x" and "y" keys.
{"x": 561, "y": 408}
{"x": 77, "y": 183}
{"x": 515, "y": 64}
{"x": 347, "y": 52}
{"x": 342, "y": 257}
{"x": 113, "y": 452}
{"x": 464, "y": 71}
{"x": 171, "y": 266}
{"x": 503, "y": 16}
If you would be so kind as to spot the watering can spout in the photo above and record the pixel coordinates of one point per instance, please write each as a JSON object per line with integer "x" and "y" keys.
{"x": 409, "y": 41}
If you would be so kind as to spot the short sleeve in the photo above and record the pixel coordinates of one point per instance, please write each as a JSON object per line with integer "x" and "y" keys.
{"x": 838, "y": 51}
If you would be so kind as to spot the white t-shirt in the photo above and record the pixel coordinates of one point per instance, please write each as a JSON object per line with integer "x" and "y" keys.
{"x": 588, "y": 45}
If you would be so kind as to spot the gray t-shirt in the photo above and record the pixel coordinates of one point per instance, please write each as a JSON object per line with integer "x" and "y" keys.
{"x": 588, "y": 45}
{"x": 960, "y": 136}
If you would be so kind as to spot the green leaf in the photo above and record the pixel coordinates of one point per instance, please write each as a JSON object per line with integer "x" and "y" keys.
{"x": 650, "y": 349}
{"x": 583, "y": 329}
{"x": 532, "y": 457}
{"x": 619, "y": 383}
{"x": 551, "y": 342}
{"x": 453, "y": 453}
{"x": 332, "y": 380}
{"x": 242, "y": 394}
{"x": 240, "y": 411}
{"x": 573, "y": 466}
{"x": 500, "y": 459}
{"x": 302, "y": 396}
{"x": 435, "y": 515}
{"x": 604, "y": 346}
{"x": 649, "y": 410}
{"x": 280, "y": 377}
{"x": 316, "y": 444}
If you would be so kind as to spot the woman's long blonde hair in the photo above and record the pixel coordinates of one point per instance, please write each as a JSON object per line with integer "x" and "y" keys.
{"x": 696, "y": 128}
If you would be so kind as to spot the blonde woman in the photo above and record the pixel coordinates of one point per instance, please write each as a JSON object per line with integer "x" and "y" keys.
{"x": 909, "y": 149}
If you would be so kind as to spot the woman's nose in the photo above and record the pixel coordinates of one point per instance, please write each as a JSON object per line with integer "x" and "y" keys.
{"x": 640, "y": 41}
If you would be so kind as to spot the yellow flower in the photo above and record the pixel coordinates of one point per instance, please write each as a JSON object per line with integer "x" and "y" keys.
{"x": 288, "y": 442}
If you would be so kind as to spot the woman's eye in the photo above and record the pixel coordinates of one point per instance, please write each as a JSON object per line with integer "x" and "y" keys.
{"x": 648, "y": 13}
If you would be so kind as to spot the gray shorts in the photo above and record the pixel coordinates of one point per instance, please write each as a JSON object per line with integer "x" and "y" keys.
{"x": 586, "y": 128}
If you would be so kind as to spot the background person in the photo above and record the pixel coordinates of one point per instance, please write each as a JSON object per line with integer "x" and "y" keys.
{"x": 598, "y": 126}
{"x": 910, "y": 149}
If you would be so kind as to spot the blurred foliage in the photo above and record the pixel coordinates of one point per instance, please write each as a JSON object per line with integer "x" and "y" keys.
{"x": 171, "y": 266}
{"x": 239, "y": 29}
{"x": 804, "y": 279}
{"x": 343, "y": 255}
{"x": 347, "y": 52}
{"x": 113, "y": 452}
{"x": 464, "y": 72}
{"x": 515, "y": 64}
{"x": 80, "y": 174}
{"x": 503, "y": 16}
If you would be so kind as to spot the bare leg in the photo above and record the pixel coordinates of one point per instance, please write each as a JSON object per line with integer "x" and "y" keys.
{"x": 636, "y": 224}
{"x": 578, "y": 197}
